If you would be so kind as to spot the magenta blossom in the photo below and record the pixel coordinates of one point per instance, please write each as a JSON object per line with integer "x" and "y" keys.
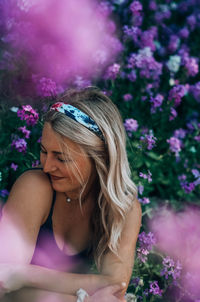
{"x": 28, "y": 114}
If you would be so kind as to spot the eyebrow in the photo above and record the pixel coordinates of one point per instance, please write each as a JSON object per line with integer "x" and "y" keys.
{"x": 55, "y": 152}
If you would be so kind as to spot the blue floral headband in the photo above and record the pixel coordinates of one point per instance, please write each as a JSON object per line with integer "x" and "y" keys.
{"x": 78, "y": 116}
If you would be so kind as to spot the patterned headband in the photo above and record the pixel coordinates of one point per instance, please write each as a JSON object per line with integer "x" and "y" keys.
{"x": 78, "y": 116}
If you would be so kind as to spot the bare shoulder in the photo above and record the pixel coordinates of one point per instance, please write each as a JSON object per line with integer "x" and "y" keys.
{"x": 30, "y": 197}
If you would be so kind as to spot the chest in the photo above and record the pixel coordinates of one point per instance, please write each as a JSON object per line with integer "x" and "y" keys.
{"x": 71, "y": 228}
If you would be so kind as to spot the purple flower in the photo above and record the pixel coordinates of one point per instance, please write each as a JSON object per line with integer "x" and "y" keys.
{"x": 155, "y": 289}
{"x": 45, "y": 87}
{"x": 35, "y": 163}
{"x": 28, "y": 114}
{"x": 146, "y": 242}
{"x": 184, "y": 33}
{"x": 145, "y": 62}
{"x": 170, "y": 268}
{"x": 173, "y": 114}
{"x": 14, "y": 166}
{"x": 140, "y": 189}
{"x": 132, "y": 32}
{"x": 149, "y": 139}
{"x": 19, "y": 144}
{"x": 4, "y": 193}
{"x": 136, "y": 8}
{"x": 176, "y": 94}
{"x": 131, "y": 125}
{"x": 192, "y": 66}
{"x": 173, "y": 43}
{"x": 127, "y": 97}
{"x": 25, "y": 131}
{"x": 144, "y": 200}
{"x": 147, "y": 38}
{"x": 195, "y": 90}
{"x": 146, "y": 176}
{"x": 175, "y": 145}
{"x": 191, "y": 20}
{"x": 112, "y": 71}
{"x": 180, "y": 133}
{"x": 152, "y": 5}
{"x": 156, "y": 102}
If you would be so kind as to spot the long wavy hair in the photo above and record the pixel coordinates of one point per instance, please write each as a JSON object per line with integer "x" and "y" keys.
{"x": 117, "y": 192}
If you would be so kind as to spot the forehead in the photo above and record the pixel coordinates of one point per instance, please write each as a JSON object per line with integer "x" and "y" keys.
{"x": 52, "y": 141}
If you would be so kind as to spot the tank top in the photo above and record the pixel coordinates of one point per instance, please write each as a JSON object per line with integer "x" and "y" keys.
{"x": 48, "y": 254}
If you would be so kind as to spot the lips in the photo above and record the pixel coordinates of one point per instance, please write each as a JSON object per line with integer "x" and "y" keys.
{"x": 53, "y": 177}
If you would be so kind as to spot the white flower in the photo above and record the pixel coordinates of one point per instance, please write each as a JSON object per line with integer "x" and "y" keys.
{"x": 130, "y": 298}
{"x": 174, "y": 63}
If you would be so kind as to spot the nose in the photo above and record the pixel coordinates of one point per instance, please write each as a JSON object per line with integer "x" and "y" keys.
{"x": 48, "y": 164}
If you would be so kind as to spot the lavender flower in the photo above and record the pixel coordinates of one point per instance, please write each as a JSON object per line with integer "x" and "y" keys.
{"x": 127, "y": 97}
{"x": 195, "y": 90}
{"x": 146, "y": 242}
{"x": 14, "y": 166}
{"x": 136, "y": 8}
{"x": 192, "y": 66}
{"x": 177, "y": 93}
{"x": 112, "y": 71}
{"x": 146, "y": 176}
{"x": 149, "y": 139}
{"x": 19, "y": 144}
{"x": 35, "y": 163}
{"x": 180, "y": 133}
{"x": 140, "y": 189}
{"x": 25, "y": 131}
{"x": 145, "y": 62}
{"x": 131, "y": 125}
{"x": 173, "y": 114}
{"x": 175, "y": 145}
{"x": 156, "y": 102}
{"x": 155, "y": 289}
{"x": 4, "y": 193}
{"x": 170, "y": 268}
{"x": 144, "y": 200}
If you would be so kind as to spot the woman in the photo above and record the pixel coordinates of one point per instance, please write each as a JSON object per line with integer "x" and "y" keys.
{"x": 79, "y": 207}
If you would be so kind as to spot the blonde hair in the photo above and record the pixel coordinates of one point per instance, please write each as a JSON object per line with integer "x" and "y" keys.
{"x": 117, "y": 191}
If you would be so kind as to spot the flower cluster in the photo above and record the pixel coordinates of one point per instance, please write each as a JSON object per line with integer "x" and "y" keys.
{"x": 28, "y": 114}
{"x": 170, "y": 268}
{"x": 146, "y": 242}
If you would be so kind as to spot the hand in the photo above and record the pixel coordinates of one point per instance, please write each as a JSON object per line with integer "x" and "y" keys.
{"x": 106, "y": 294}
{"x": 11, "y": 277}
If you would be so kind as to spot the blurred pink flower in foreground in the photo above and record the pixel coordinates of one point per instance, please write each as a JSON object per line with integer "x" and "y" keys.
{"x": 178, "y": 235}
{"x": 60, "y": 39}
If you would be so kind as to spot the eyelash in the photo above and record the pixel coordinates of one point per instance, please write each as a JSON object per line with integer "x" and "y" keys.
{"x": 59, "y": 159}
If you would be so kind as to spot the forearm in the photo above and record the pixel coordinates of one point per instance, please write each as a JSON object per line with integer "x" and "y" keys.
{"x": 36, "y": 295}
{"x": 61, "y": 282}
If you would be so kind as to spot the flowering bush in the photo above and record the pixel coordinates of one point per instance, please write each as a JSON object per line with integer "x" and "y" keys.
{"x": 155, "y": 83}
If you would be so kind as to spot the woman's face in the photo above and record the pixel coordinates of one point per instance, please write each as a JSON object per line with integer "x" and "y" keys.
{"x": 63, "y": 168}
